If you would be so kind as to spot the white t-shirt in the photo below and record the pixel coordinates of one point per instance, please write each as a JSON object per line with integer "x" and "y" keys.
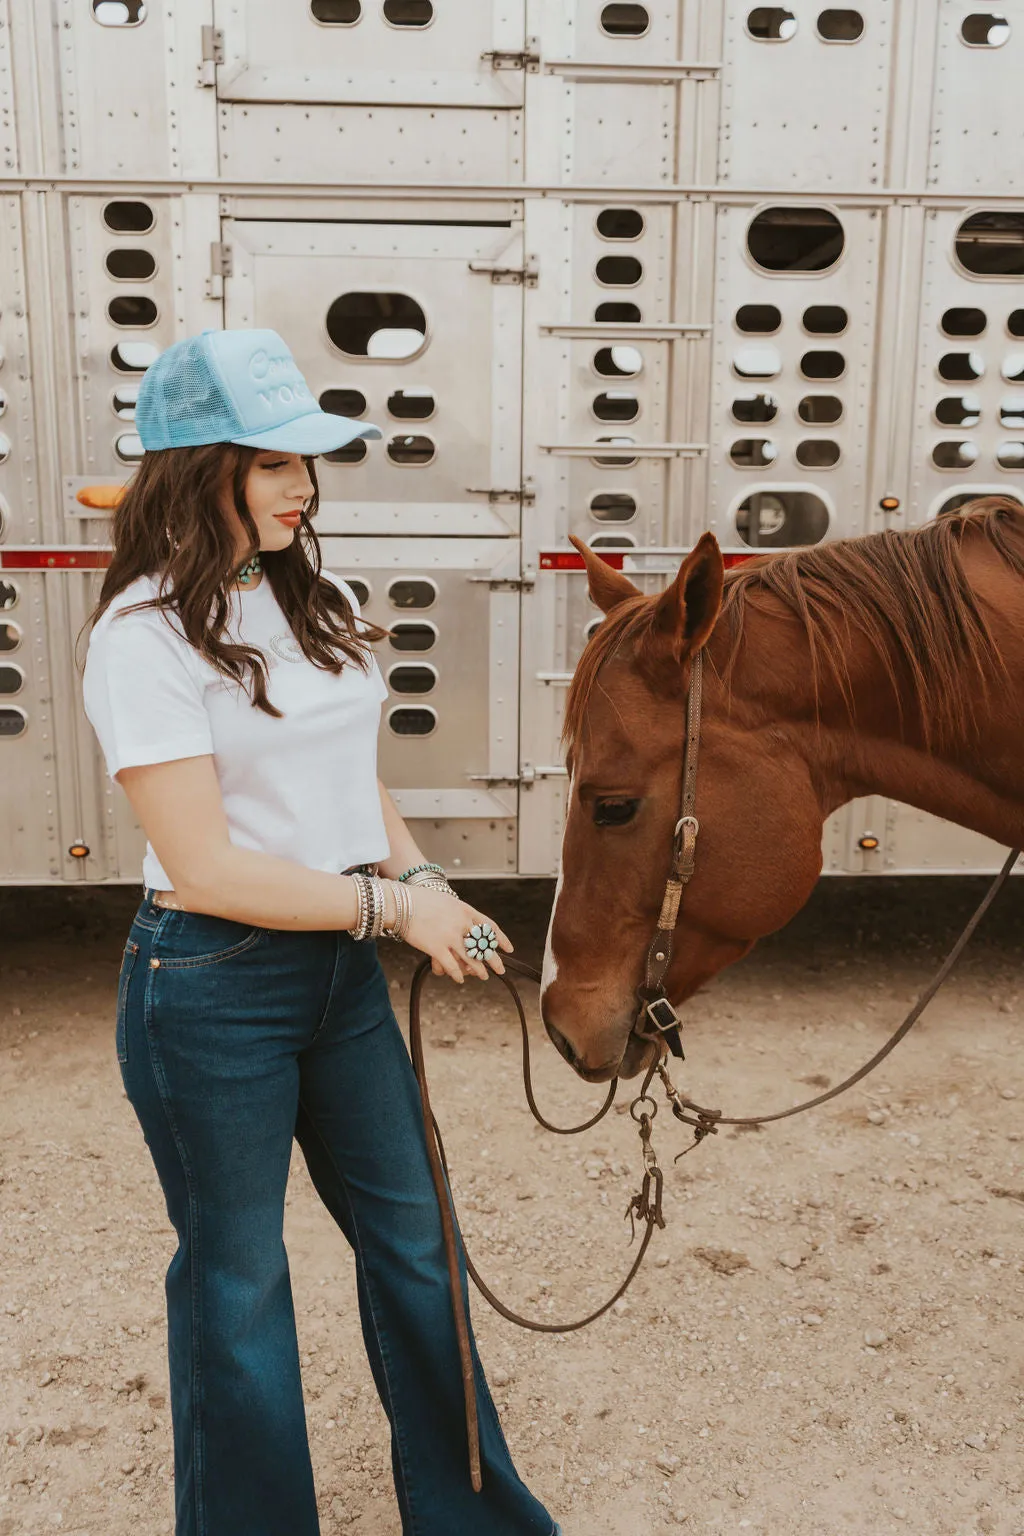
{"x": 303, "y": 787}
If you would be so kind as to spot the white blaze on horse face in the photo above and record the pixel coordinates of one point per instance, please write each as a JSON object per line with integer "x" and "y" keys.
{"x": 549, "y": 969}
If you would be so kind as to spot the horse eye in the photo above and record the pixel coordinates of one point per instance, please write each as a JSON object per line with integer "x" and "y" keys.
{"x": 614, "y": 812}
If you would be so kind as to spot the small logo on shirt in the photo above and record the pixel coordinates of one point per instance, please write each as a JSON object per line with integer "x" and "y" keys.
{"x": 286, "y": 647}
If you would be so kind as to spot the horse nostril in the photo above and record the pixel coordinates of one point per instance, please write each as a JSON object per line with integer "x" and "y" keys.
{"x": 561, "y": 1044}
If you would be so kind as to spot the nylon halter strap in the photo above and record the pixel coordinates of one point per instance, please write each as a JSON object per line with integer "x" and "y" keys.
{"x": 656, "y": 1018}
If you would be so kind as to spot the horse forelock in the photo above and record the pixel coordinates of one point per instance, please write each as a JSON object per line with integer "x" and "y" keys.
{"x": 905, "y": 592}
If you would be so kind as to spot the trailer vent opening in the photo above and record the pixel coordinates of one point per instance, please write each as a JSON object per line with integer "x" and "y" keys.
{"x": 618, "y": 362}
{"x": 618, "y": 314}
{"x": 826, "y": 319}
{"x": 796, "y": 239}
{"x": 409, "y": 721}
{"x": 377, "y": 325}
{"x": 128, "y": 218}
{"x": 820, "y": 410}
{"x": 840, "y": 26}
{"x": 336, "y": 13}
{"x": 817, "y": 453}
{"x": 406, "y": 636}
{"x": 963, "y": 322}
{"x": 782, "y": 519}
{"x": 119, "y": 13}
{"x": 129, "y": 264}
{"x": 758, "y": 319}
{"x": 408, "y": 13}
{"x": 991, "y": 244}
{"x": 620, "y": 224}
{"x": 771, "y": 24}
{"x": 625, "y": 20}
{"x": 984, "y": 29}
{"x": 613, "y": 506}
{"x": 343, "y": 402}
{"x": 958, "y": 411}
{"x": 751, "y": 408}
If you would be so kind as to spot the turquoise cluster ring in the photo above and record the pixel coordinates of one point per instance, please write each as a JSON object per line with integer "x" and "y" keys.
{"x": 480, "y": 941}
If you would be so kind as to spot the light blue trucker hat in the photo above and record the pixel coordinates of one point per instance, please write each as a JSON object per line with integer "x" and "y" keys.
{"x": 240, "y": 386}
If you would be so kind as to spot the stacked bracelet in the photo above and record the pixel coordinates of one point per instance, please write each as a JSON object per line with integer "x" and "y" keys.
{"x": 372, "y": 909}
{"x": 430, "y": 875}
{"x": 419, "y": 869}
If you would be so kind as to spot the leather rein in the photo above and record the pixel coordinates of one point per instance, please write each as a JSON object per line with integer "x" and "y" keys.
{"x": 657, "y": 1021}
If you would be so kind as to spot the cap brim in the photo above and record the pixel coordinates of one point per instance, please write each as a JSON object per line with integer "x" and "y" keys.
{"x": 318, "y": 432}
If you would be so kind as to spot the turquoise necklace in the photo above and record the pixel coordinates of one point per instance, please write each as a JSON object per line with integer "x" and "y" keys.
{"x": 250, "y": 569}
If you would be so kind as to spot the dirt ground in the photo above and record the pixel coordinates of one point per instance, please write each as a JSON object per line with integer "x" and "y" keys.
{"x": 827, "y": 1337}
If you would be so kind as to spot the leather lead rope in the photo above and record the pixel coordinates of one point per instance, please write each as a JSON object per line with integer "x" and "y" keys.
{"x": 716, "y": 1118}
{"x": 645, "y": 1206}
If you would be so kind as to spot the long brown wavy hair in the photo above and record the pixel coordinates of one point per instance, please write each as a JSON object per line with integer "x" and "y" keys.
{"x": 169, "y": 525}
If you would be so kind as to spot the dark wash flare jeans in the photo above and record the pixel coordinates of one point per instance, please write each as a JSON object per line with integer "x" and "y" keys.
{"x": 232, "y": 1040}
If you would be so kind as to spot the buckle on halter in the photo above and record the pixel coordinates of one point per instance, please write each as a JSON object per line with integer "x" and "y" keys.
{"x": 667, "y": 1022}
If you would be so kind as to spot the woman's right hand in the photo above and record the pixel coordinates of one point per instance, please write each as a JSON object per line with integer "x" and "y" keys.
{"x": 439, "y": 926}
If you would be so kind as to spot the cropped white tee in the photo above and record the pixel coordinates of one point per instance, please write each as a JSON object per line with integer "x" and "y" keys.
{"x": 303, "y": 787}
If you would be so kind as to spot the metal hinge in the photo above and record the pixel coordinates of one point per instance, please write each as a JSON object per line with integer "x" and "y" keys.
{"x": 221, "y": 266}
{"x": 527, "y": 775}
{"x": 527, "y": 58}
{"x": 213, "y": 54}
{"x": 526, "y": 493}
{"x": 527, "y": 274}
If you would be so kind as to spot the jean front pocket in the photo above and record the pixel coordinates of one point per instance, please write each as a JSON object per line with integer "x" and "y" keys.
{"x": 193, "y": 940}
{"x": 131, "y": 950}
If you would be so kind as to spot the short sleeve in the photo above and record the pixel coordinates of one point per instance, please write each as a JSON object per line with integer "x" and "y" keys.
{"x": 143, "y": 693}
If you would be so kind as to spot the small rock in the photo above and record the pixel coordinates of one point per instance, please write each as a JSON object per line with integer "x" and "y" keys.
{"x": 812, "y": 1319}
{"x": 791, "y": 1259}
{"x": 127, "y": 1467}
{"x": 44, "y": 1380}
{"x": 876, "y": 1117}
{"x": 667, "y": 1463}
{"x": 874, "y": 1338}
{"x": 976, "y": 1442}
{"x": 1007, "y": 1093}
{"x": 500, "y": 1378}
{"x": 661, "y": 1261}
{"x": 448, "y": 1041}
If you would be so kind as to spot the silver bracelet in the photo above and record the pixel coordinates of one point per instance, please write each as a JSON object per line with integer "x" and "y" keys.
{"x": 362, "y": 925}
{"x": 433, "y": 882}
{"x": 377, "y": 924}
{"x": 403, "y": 912}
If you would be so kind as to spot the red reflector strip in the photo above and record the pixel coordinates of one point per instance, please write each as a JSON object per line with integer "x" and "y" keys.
{"x": 54, "y": 559}
{"x": 568, "y": 560}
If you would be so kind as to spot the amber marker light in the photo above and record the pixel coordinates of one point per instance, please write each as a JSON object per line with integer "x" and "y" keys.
{"x": 890, "y": 503}
{"x": 867, "y": 842}
{"x": 103, "y": 498}
{"x": 79, "y": 851}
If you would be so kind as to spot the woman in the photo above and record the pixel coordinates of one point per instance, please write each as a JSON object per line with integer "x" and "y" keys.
{"x": 230, "y": 685}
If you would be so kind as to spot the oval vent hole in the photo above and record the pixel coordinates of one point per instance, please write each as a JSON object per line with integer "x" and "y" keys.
{"x": 412, "y": 592}
{"x": 620, "y": 223}
{"x": 613, "y": 506}
{"x": 795, "y": 239}
{"x": 411, "y": 679}
{"x": 412, "y": 637}
{"x": 410, "y": 721}
{"x": 390, "y": 325}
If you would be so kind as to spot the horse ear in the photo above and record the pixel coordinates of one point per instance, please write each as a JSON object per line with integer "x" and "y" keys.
{"x": 608, "y": 587}
{"x": 687, "y": 610}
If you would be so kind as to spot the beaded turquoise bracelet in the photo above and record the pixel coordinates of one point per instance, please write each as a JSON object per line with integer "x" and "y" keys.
{"x": 419, "y": 869}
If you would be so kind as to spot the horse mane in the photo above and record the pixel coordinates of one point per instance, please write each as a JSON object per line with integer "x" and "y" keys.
{"x": 905, "y": 592}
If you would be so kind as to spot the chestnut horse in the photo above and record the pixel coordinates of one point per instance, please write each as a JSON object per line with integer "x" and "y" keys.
{"x": 887, "y": 665}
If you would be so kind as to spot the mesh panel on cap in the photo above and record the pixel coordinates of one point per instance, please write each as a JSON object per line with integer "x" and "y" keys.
{"x": 180, "y": 402}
